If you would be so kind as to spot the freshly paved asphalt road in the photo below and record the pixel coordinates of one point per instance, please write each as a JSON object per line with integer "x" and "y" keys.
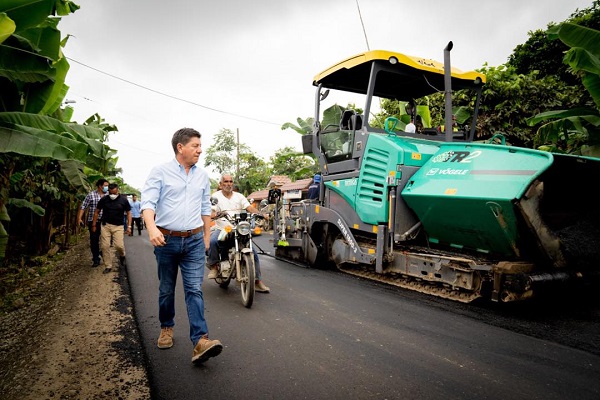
{"x": 327, "y": 335}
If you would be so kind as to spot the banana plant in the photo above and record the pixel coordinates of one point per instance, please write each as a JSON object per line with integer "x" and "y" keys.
{"x": 331, "y": 116}
{"x": 578, "y": 130}
{"x": 32, "y": 89}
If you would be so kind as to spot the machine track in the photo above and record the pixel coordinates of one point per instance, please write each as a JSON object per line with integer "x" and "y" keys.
{"x": 395, "y": 279}
{"x": 405, "y": 281}
{"x": 409, "y": 283}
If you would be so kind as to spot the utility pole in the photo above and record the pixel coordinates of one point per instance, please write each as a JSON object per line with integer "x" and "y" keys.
{"x": 237, "y": 158}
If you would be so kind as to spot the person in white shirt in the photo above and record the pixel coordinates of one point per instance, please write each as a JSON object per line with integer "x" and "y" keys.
{"x": 230, "y": 202}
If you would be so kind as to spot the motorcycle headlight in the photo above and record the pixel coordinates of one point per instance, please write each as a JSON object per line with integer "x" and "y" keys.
{"x": 243, "y": 228}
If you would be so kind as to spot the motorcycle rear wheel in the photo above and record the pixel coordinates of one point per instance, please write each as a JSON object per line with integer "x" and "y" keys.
{"x": 246, "y": 279}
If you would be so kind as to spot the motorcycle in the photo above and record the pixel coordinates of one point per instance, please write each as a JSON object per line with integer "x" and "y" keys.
{"x": 264, "y": 224}
{"x": 238, "y": 263}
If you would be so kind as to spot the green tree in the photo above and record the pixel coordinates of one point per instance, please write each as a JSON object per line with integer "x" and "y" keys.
{"x": 222, "y": 155}
{"x": 254, "y": 173}
{"x": 509, "y": 99}
{"x": 225, "y": 155}
{"x": 296, "y": 165}
{"x": 540, "y": 53}
{"x": 575, "y": 130}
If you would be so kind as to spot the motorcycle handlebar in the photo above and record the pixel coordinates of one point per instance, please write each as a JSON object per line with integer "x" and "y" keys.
{"x": 225, "y": 214}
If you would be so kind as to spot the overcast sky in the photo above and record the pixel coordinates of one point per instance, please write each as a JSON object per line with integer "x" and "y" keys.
{"x": 151, "y": 67}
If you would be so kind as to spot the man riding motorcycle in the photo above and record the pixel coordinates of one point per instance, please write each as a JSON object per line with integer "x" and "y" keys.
{"x": 230, "y": 202}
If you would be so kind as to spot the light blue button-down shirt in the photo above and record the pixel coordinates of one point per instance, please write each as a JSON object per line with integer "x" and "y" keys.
{"x": 136, "y": 210}
{"x": 178, "y": 199}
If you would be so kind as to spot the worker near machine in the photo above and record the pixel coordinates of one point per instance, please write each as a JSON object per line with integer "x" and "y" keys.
{"x": 314, "y": 188}
{"x": 274, "y": 194}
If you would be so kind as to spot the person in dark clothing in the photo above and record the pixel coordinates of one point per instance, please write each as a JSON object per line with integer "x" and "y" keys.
{"x": 274, "y": 194}
{"x": 112, "y": 207}
{"x": 313, "y": 189}
{"x": 90, "y": 202}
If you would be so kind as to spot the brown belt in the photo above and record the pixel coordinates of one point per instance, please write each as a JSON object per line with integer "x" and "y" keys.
{"x": 182, "y": 234}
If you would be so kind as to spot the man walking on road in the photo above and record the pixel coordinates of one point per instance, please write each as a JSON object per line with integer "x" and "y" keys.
{"x": 90, "y": 202}
{"x": 176, "y": 210}
{"x": 113, "y": 207}
{"x": 136, "y": 215}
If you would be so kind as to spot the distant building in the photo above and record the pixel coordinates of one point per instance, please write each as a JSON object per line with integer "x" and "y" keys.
{"x": 292, "y": 190}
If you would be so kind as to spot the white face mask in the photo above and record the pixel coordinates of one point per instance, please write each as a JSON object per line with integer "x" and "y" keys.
{"x": 113, "y": 196}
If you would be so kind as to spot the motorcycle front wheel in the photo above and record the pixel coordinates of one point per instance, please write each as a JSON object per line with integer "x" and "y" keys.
{"x": 246, "y": 279}
{"x": 224, "y": 281}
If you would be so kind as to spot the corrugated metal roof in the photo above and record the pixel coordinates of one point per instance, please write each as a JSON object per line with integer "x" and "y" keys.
{"x": 278, "y": 180}
{"x": 300, "y": 184}
{"x": 259, "y": 194}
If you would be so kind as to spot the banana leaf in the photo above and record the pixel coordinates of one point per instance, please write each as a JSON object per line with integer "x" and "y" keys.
{"x": 78, "y": 148}
{"x": 548, "y": 115}
{"x": 304, "y": 125}
{"x": 584, "y": 54}
{"x": 592, "y": 84}
{"x": 425, "y": 113}
{"x": 22, "y": 203}
{"x": 27, "y": 13}
{"x": 73, "y": 172}
{"x": 20, "y": 65}
{"x": 65, "y": 7}
{"x": 574, "y": 35}
{"x": 332, "y": 115}
{"x": 14, "y": 141}
{"x": 44, "y": 39}
{"x": 47, "y": 100}
{"x": 81, "y": 132}
{"x": 7, "y": 27}
{"x": 97, "y": 151}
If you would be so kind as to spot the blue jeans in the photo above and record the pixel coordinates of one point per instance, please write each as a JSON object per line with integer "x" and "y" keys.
{"x": 217, "y": 247}
{"x": 188, "y": 255}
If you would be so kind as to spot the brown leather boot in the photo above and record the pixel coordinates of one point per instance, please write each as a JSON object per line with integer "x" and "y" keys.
{"x": 165, "y": 340}
{"x": 205, "y": 349}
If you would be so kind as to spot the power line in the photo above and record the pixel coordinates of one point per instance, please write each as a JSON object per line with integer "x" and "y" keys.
{"x": 363, "y": 25}
{"x": 173, "y": 97}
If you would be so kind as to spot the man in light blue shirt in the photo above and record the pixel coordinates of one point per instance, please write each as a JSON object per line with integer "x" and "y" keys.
{"x": 176, "y": 210}
{"x": 136, "y": 214}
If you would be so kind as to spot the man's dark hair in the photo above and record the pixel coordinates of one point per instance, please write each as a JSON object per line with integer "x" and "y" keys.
{"x": 112, "y": 186}
{"x": 100, "y": 182}
{"x": 183, "y": 136}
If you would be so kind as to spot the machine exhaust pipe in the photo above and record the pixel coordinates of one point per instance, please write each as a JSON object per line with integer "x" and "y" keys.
{"x": 448, "y": 92}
